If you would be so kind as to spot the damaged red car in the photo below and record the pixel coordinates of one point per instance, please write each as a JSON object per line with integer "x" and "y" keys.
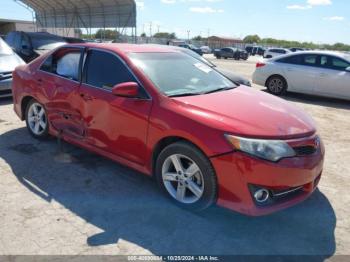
{"x": 204, "y": 139}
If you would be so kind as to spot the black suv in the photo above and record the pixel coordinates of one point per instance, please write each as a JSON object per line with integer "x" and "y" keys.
{"x": 31, "y": 45}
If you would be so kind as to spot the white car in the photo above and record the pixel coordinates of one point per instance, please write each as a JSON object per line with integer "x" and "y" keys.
{"x": 316, "y": 73}
{"x": 274, "y": 52}
{"x": 206, "y": 50}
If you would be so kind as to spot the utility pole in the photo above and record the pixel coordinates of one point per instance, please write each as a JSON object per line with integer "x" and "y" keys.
{"x": 188, "y": 34}
{"x": 158, "y": 28}
{"x": 150, "y": 29}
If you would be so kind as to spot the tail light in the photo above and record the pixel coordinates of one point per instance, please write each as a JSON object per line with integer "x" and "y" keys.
{"x": 260, "y": 65}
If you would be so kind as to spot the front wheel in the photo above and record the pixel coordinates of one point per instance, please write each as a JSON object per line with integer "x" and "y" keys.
{"x": 185, "y": 174}
{"x": 36, "y": 120}
{"x": 276, "y": 85}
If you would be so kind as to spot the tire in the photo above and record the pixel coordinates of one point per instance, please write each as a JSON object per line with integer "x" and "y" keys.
{"x": 192, "y": 188}
{"x": 276, "y": 85}
{"x": 36, "y": 120}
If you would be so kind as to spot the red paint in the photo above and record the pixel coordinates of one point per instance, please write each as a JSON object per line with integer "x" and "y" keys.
{"x": 128, "y": 130}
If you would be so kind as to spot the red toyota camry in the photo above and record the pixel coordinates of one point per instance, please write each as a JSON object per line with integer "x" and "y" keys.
{"x": 170, "y": 116}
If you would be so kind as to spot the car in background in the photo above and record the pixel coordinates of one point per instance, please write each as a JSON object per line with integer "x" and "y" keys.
{"x": 192, "y": 47}
{"x": 249, "y": 49}
{"x": 169, "y": 116}
{"x": 258, "y": 50}
{"x": 206, "y": 50}
{"x": 231, "y": 52}
{"x": 9, "y": 60}
{"x": 274, "y": 52}
{"x": 311, "y": 72}
{"x": 31, "y": 45}
{"x": 73, "y": 40}
{"x": 296, "y": 49}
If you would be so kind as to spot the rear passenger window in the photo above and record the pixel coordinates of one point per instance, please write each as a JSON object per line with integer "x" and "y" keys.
{"x": 65, "y": 63}
{"x": 310, "y": 60}
{"x": 105, "y": 70}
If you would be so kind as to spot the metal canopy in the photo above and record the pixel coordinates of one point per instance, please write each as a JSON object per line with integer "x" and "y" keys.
{"x": 83, "y": 13}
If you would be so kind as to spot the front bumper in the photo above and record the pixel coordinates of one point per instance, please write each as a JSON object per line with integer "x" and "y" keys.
{"x": 238, "y": 173}
{"x": 6, "y": 88}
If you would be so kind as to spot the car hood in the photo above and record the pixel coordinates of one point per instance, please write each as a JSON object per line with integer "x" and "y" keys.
{"x": 8, "y": 63}
{"x": 249, "y": 113}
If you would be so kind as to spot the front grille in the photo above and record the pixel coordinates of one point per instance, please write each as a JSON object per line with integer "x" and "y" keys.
{"x": 5, "y": 75}
{"x": 305, "y": 150}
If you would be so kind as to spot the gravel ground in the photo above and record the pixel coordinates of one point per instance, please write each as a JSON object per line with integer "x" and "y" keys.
{"x": 80, "y": 203}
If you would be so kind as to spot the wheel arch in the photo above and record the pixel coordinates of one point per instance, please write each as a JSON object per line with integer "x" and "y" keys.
{"x": 24, "y": 103}
{"x": 166, "y": 141}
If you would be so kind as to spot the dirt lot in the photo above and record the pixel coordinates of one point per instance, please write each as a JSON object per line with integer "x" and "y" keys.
{"x": 93, "y": 206}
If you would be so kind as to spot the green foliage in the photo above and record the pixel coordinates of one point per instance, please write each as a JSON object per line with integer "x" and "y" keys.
{"x": 251, "y": 39}
{"x": 288, "y": 44}
{"x": 165, "y": 35}
{"x": 199, "y": 38}
{"x": 106, "y": 34}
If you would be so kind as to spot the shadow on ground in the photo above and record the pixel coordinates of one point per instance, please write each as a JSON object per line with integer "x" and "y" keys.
{"x": 127, "y": 205}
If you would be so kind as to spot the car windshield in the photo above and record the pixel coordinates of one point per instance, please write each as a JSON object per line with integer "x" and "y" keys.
{"x": 4, "y": 48}
{"x": 46, "y": 42}
{"x": 177, "y": 74}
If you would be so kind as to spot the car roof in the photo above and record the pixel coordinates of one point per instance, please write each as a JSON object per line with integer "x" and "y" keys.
{"x": 128, "y": 48}
{"x": 315, "y": 52}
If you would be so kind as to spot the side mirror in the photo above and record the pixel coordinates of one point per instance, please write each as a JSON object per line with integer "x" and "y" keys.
{"x": 347, "y": 69}
{"x": 128, "y": 89}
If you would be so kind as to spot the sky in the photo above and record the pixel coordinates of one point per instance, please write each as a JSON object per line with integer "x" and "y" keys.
{"x": 319, "y": 21}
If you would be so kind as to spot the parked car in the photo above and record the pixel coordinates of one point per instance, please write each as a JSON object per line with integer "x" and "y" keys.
{"x": 204, "y": 139}
{"x": 316, "y": 73}
{"x": 237, "y": 79}
{"x": 8, "y": 62}
{"x": 206, "y": 50}
{"x": 296, "y": 49}
{"x": 192, "y": 47}
{"x": 274, "y": 52}
{"x": 73, "y": 40}
{"x": 231, "y": 52}
{"x": 31, "y": 45}
{"x": 249, "y": 50}
{"x": 258, "y": 50}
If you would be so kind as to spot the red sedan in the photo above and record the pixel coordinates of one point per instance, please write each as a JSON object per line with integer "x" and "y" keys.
{"x": 167, "y": 115}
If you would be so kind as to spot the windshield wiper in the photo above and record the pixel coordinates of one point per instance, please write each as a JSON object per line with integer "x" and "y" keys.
{"x": 185, "y": 94}
{"x": 219, "y": 90}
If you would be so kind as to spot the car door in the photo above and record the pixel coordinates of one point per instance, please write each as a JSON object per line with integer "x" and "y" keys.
{"x": 59, "y": 80}
{"x": 301, "y": 72}
{"x": 333, "y": 78}
{"x": 117, "y": 125}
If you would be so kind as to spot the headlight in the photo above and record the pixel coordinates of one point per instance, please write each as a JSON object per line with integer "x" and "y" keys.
{"x": 272, "y": 150}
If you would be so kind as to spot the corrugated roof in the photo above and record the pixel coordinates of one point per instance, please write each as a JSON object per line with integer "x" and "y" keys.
{"x": 84, "y": 13}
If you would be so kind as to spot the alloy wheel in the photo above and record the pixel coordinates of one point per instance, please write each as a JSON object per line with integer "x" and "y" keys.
{"x": 183, "y": 179}
{"x": 37, "y": 120}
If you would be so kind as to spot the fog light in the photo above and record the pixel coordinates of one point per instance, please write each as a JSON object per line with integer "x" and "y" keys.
{"x": 262, "y": 195}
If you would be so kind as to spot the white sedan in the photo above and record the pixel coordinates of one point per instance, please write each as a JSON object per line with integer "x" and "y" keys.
{"x": 316, "y": 73}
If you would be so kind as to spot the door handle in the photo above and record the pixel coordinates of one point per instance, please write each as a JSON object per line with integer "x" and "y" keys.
{"x": 86, "y": 97}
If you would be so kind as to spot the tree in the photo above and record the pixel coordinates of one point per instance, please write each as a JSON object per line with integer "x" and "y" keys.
{"x": 165, "y": 35}
{"x": 198, "y": 38}
{"x": 143, "y": 35}
{"x": 251, "y": 39}
{"x": 107, "y": 34}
